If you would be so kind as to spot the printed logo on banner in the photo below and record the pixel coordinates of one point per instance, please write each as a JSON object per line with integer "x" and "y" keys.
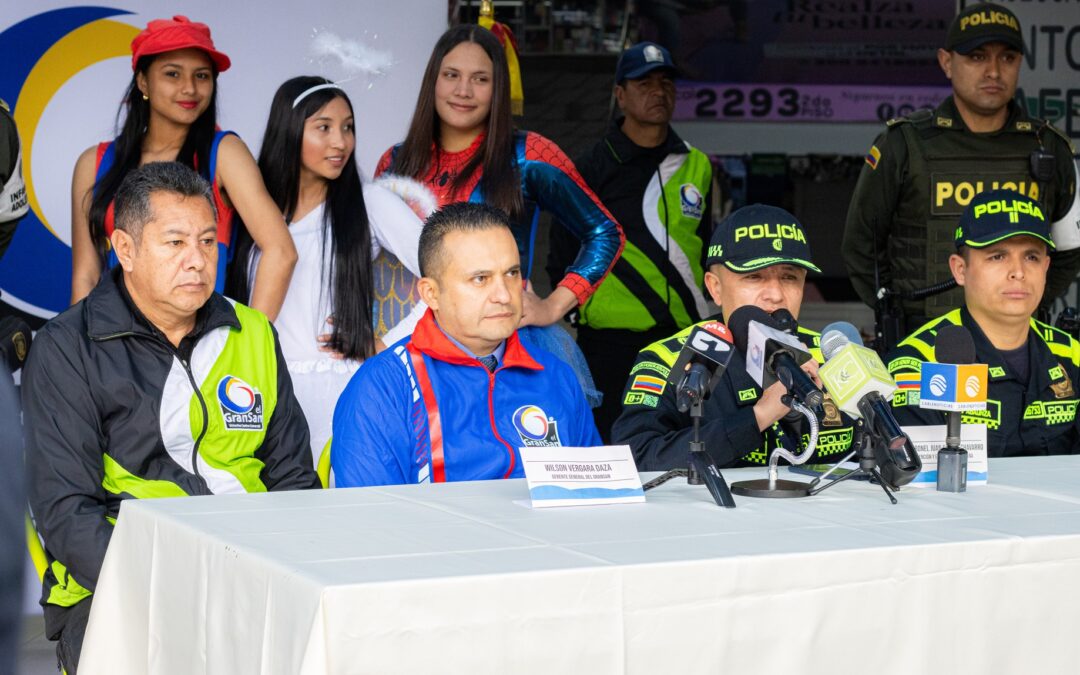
{"x": 40, "y": 55}
{"x": 693, "y": 204}
{"x": 241, "y": 404}
{"x": 535, "y": 428}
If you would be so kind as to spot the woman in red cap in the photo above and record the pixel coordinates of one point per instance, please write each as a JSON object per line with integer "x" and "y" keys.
{"x": 172, "y": 116}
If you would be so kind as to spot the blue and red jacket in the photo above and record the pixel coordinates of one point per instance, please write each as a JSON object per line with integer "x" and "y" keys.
{"x": 425, "y": 411}
{"x": 549, "y": 181}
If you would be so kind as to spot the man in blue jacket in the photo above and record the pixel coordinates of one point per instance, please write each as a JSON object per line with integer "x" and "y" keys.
{"x": 458, "y": 398}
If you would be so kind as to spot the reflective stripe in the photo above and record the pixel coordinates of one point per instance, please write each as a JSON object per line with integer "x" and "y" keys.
{"x": 66, "y": 591}
{"x": 657, "y": 198}
{"x": 435, "y": 437}
{"x": 119, "y": 480}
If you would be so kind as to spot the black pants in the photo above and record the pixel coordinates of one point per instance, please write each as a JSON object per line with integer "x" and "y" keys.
{"x": 610, "y": 354}
{"x": 67, "y": 625}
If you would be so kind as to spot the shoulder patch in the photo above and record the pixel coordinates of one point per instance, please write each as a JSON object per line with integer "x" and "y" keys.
{"x": 641, "y": 398}
{"x": 5, "y": 106}
{"x": 873, "y": 157}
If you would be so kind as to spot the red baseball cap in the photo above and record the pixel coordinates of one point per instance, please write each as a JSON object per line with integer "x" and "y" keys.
{"x": 179, "y": 32}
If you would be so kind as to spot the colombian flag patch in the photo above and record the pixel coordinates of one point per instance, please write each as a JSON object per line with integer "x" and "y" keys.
{"x": 653, "y": 385}
{"x": 873, "y": 156}
{"x": 908, "y": 380}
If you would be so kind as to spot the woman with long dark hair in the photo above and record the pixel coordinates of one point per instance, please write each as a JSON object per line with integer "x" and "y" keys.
{"x": 171, "y": 115}
{"x": 338, "y": 225}
{"x": 463, "y": 146}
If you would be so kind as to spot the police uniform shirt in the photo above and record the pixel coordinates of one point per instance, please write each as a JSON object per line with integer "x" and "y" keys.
{"x": 908, "y": 199}
{"x": 659, "y": 435}
{"x": 1032, "y": 416}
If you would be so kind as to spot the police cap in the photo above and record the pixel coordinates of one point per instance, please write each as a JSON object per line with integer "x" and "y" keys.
{"x": 759, "y": 236}
{"x": 999, "y": 214}
{"x": 983, "y": 23}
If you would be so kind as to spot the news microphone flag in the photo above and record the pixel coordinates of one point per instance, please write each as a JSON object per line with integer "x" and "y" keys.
{"x": 852, "y": 373}
{"x": 709, "y": 343}
{"x": 758, "y": 348}
{"x": 953, "y": 388}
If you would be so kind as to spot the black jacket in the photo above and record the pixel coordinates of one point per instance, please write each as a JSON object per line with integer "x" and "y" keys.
{"x": 1033, "y": 417}
{"x": 659, "y": 434}
{"x": 114, "y": 411}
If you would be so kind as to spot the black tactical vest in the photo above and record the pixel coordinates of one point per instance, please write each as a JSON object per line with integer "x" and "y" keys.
{"x": 947, "y": 167}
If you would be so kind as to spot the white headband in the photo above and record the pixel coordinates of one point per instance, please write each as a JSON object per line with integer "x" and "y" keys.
{"x": 304, "y": 94}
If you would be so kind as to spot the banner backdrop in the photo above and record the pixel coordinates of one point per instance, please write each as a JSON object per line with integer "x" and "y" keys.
{"x": 1050, "y": 74}
{"x": 66, "y": 67}
{"x": 804, "y": 61}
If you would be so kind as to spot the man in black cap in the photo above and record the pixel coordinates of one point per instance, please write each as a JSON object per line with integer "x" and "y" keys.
{"x": 757, "y": 256}
{"x": 1002, "y": 246}
{"x": 658, "y": 187}
{"x": 926, "y": 167}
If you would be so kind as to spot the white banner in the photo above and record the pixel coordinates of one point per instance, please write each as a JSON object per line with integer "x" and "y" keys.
{"x": 66, "y": 67}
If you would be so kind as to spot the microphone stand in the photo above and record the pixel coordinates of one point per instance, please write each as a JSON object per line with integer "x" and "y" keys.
{"x": 700, "y": 466}
{"x": 863, "y": 442}
{"x": 773, "y": 487}
{"x": 952, "y": 460}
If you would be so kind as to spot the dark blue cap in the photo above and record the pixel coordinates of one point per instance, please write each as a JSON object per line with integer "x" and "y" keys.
{"x": 999, "y": 214}
{"x": 640, "y": 60}
{"x": 759, "y": 236}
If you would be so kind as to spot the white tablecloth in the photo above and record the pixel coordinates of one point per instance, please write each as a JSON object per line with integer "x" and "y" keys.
{"x": 461, "y": 578}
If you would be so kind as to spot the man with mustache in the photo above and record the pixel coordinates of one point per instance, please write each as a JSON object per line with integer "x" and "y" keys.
{"x": 658, "y": 187}
{"x": 151, "y": 386}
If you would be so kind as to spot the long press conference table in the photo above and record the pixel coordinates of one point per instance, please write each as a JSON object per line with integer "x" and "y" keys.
{"x": 465, "y": 578}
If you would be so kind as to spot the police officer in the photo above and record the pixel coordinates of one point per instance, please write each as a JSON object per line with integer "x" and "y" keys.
{"x": 13, "y": 202}
{"x": 925, "y": 168}
{"x": 757, "y": 256}
{"x": 658, "y": 187}
{"x": 1002, "y": 247}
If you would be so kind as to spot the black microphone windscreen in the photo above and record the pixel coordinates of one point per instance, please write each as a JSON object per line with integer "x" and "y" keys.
{"x": 739, "y": 323}
{"x": 785, "y": 321}
{"x": 954, "y": 345}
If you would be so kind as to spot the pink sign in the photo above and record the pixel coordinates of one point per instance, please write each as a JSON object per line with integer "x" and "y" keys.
{"x": 801, "y": 102}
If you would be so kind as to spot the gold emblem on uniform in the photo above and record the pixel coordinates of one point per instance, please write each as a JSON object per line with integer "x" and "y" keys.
{"x": 19, "y": 340}
{"x": 832, "y": 413}
{"x": 944, "y": 122}
{"x": 1023, "y": 126}
{"x": 1064, "y": 388}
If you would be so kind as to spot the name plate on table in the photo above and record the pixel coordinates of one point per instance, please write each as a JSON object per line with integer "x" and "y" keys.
{"x": 560, "y": 476}
{"x": 929, "y": 439}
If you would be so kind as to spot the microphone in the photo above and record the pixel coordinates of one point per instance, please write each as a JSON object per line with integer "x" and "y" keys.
{"x": 702, "y": 361}
{"x": 953, "y": 384}
{"x": 861, "y": 386}
{"x": 785, "y": 321}
{"x": 15, "y": 339}
{"x": 772, "y": 354}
